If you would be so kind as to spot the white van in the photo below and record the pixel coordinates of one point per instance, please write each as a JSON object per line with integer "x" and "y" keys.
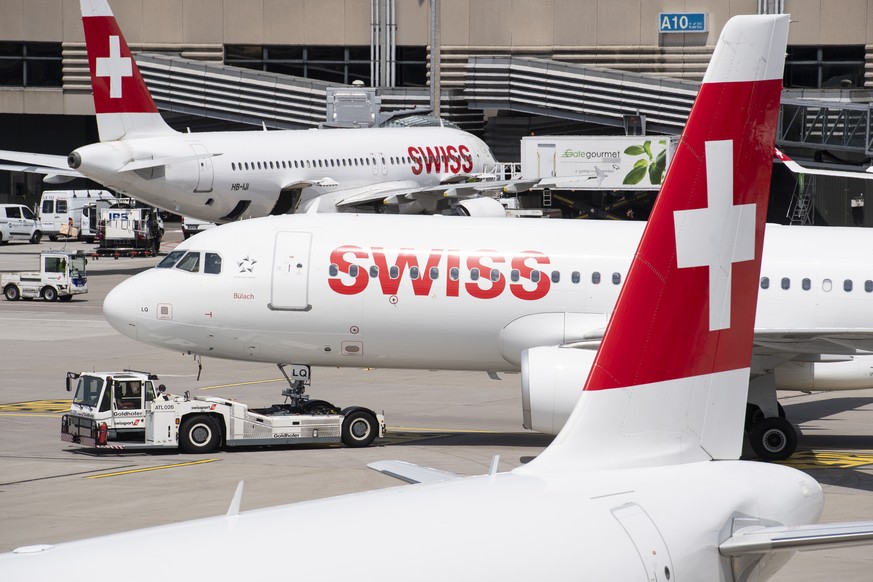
{"x": 59, "y": 206}
{"x": 17, "y": 222}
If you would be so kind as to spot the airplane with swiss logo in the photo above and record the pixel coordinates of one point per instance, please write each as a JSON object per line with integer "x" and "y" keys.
{"x": 225, "y": 176}
{"x": 643, "y": 482}
{"x": 440, "y": 292}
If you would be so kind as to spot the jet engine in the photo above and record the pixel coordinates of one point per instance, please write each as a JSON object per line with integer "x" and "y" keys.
{"x": 483, "y": 206}
{"x": 837, "y": 373}
{"x": 551, "y": 382}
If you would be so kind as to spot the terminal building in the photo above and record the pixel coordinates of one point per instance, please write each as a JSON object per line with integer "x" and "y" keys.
{"x": 502, "y": 69}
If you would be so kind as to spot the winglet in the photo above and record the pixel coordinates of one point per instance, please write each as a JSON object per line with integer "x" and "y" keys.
{"x": 122, "y": 101}
{"x": 233, "y": 510}
{"x": 670, "y": 380}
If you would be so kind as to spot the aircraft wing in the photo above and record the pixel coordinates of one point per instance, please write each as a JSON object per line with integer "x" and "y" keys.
{"x": 798, "y": 169}
{"x": 412, "y": 473}
{"x": 820, "y": 341}
{"x": 52, "y": 175}
{"x": 763, "y": 540}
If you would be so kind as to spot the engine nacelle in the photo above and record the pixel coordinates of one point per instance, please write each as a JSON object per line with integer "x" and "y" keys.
{"x": 551, "y": 382}
{"x": 846, "y": 374}
{"x": 483, "y": 206}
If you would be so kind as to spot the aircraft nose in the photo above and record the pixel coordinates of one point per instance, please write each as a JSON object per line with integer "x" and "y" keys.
{"x": 120, "y": 308}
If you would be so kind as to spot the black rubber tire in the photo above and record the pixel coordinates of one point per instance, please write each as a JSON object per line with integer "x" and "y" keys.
{"x": 49, "y": 293}
{"x": 37, "y": 236}
{"x": 65, "y": 298}
{"x": 360, "y": 429}
{"x": 199, "y": 434}
{"x": 53, "y": 237}
{"x": 773, "y": 439}
{"x": 754, "y": 414}
{"x": 12, "y": 293}
{"x": 319, "y": 407}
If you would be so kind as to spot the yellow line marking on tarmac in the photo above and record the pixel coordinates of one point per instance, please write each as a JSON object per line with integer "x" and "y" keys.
{"x": 145, "y": 469}
{"x": 829, "y": 460}
{"x": 36, "y": 407}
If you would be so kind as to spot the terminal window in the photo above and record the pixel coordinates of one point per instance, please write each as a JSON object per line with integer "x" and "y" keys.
{"x": 824, "y": 67}
{"x": 30, "y": 64}
{"x": 334, "y": 64}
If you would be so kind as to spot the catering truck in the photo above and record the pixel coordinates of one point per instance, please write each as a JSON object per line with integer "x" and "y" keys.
{"x": 129, "y": 410}
{"x": 60, "y": 276}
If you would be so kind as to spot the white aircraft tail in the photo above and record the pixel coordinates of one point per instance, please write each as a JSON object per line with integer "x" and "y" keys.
{"x": 670, "y": 381}
{"x": 124, "y": 106}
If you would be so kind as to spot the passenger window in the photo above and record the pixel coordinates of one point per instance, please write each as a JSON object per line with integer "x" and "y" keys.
{"x": 514, "y": 275}
{"x": 827, "y": 285}
{"x": 616, "y": 278}
{"x": 474, "y": 274}
{"x": 374, "y": 272}
{"x": 170, "y": 259}
{"x": 353, "y": 271}
{"x": 535, "y": 276}
{"x": 495, "y": 275}
{"x": 595, "y": 278}
{"x": 847, "y": 285}
{"x": 333, "y": 270}
{"x": 576, "y": 277}
{"x": 434, "y": 273}
{"x": 190, "y": 262}
{"x": 454, "y": 273}
{"x": 786, "y": 283}
{"x": 806, "y": 284}
{"x": 556, "y": 276}
{"x": 414, "y": 272}
{"x": 394, "y": 272}
{"x": 765, "y": 282}
{"x": 868, "y": 286}
{"x": 213, "y": 264}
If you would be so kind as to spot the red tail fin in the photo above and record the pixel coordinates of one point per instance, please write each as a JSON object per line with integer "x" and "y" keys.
{"x": 669, "y": 382}
{"x": 122, "y": 101}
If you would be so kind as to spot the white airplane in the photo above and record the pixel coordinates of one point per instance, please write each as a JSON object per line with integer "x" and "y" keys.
{"x": 224, "y": 176}
{"x": 438, "y": 292}
{"x": 642, "y": 482}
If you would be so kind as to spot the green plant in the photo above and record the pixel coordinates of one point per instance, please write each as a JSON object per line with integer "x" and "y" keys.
{"x": 653, "y": 165}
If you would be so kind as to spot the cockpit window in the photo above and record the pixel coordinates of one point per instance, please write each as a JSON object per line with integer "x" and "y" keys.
{"x": 212, "y": 264}
{"x": 190, "y": 262}
{"x": 170, "y": 259}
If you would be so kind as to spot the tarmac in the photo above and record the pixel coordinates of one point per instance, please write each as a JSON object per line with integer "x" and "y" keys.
{"x": 51, "y": 491}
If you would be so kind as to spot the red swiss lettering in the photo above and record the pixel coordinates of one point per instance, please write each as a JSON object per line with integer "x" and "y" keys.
{"x": 520, "y": 263}
{"x": 338, "y": 258}
{"x": 484, "y": 261}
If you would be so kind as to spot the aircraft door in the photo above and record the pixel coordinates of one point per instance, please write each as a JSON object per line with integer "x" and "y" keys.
{"x": 290, "y": 284}
{"x": 647, "y": 539}
{"x": 546, "y": 160}
{"x": 204, "y": 166}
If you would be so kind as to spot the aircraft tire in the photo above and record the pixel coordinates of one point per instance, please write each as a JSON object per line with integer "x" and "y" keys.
{"x": 319, "y": 407}
{"x": 359, "y": 429}
{"x": 12, "y": 293}
{"x": 773, "y": 439}
{"x": 199, "y": 434}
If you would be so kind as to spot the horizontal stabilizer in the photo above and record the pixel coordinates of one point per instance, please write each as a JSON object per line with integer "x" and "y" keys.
{"x": 866, "y": 174}
{"x": 412, "y": 473}
{"x": 162, "y": 161}
{"x": 763, "y": 540}
{"x": 52, "y": 175}
{"x": 53, "y": 161}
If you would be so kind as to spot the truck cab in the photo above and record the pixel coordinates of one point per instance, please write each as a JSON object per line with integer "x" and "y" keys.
{"x": 116, "y": 401}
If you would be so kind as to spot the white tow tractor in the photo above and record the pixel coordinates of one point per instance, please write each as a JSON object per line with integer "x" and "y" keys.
{"x": 128, "y": 410}
{"x": 61, "y": 275}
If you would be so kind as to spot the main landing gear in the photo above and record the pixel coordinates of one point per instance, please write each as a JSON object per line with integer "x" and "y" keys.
{"x": 770, "y": 435}
{"x": 360, "y": 425}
